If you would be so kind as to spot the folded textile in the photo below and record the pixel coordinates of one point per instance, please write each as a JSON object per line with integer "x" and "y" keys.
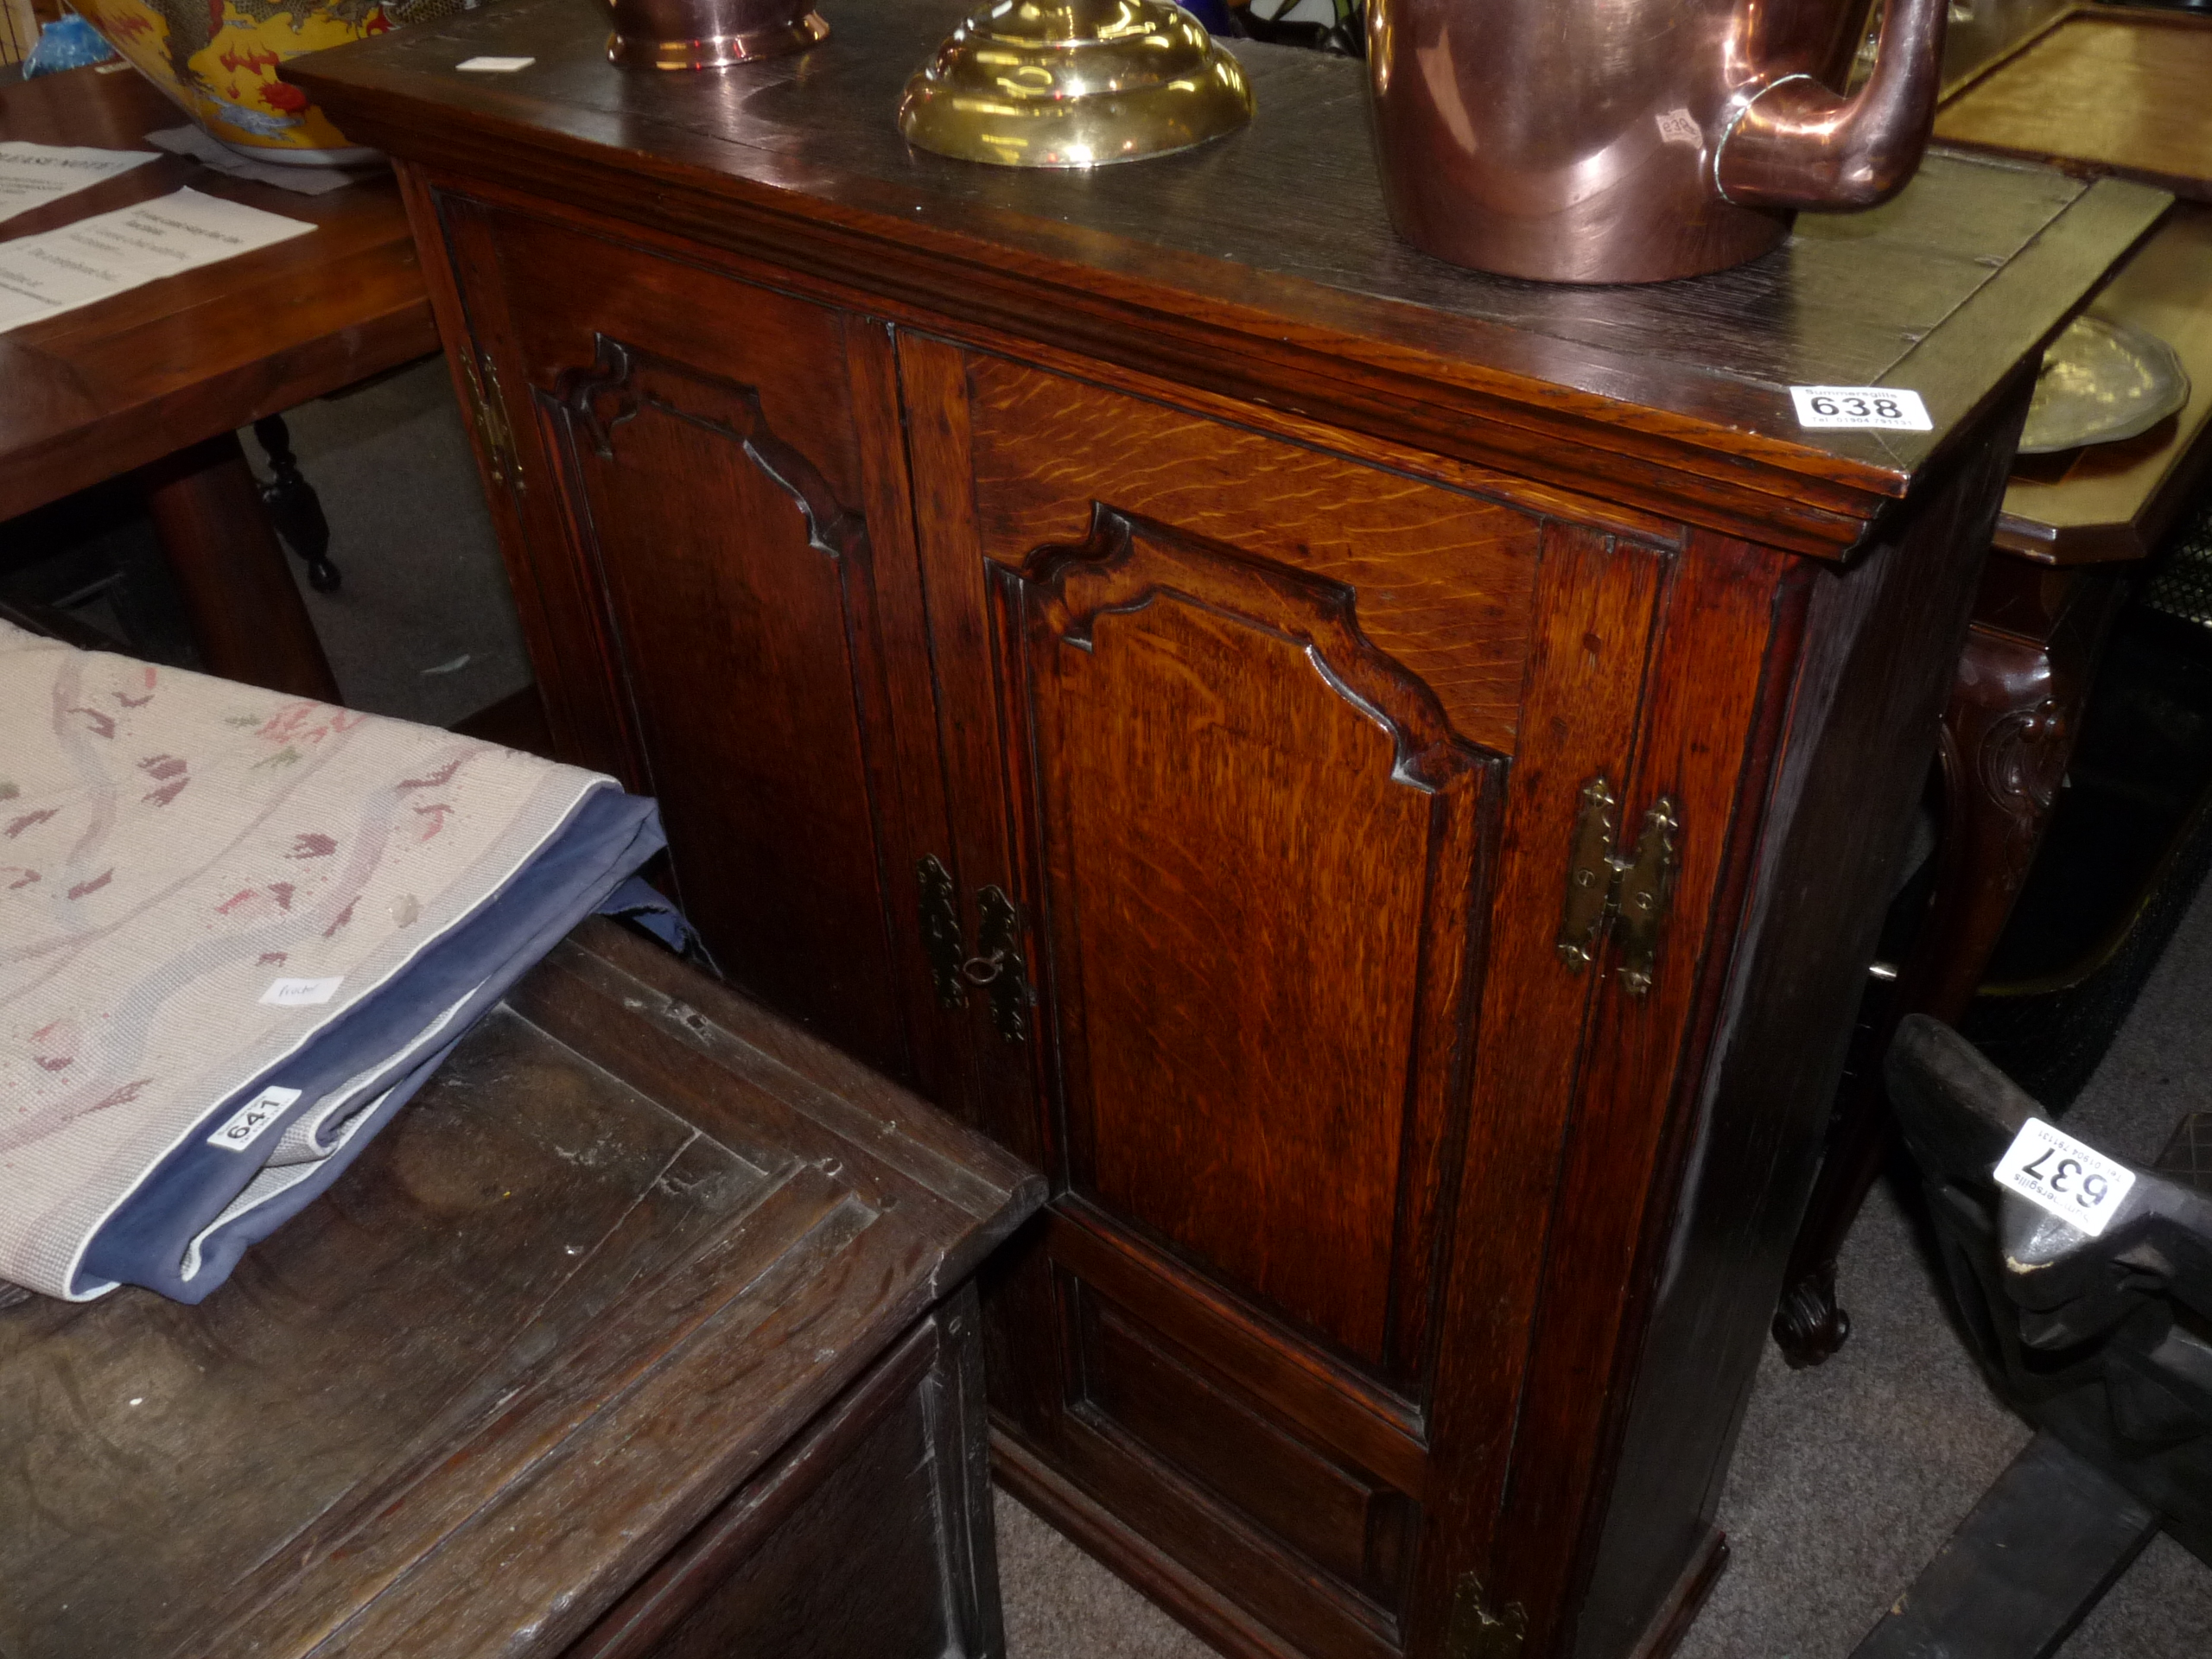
{"x": 238, "y": 930}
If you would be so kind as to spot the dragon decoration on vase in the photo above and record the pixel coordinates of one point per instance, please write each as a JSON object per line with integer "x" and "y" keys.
{"x": 218, "y": 61}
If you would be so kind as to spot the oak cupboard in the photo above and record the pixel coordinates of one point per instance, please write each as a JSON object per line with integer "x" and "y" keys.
{"x": 1379, "y": 781}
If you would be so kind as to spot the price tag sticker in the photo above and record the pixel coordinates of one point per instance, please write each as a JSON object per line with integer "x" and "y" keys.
{"x": 244, "y": 1126}
{"x": 1846, "y": 408}
{"x": 2079, "y": 1185}
{"x": 301, "y": 993}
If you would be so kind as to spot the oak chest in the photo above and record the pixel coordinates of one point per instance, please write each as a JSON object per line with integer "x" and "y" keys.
{"x": 643, "y": 1333}
{"x": 1378, "y": 780}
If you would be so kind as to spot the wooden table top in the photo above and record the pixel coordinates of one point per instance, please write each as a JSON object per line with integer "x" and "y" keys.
{"x": 2113, "y": 501}
{"x": 2122, "y": 91}
{"x": 1262, "y": 266}
{"x": 633, "y": 1237}
{"x": 106, "y": 388}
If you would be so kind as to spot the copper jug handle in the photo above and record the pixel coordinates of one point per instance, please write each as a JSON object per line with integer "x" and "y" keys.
{"x": 1795, "y": 143}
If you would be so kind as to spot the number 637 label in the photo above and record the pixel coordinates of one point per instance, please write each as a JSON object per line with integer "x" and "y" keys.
{"x": 1884, "y": 407}
{"x": 2077, "y": 1184}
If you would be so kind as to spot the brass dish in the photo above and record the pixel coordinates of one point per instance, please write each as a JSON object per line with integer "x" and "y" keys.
{"x": 2102, "y": 382}
{"x": 1074, "y": 83}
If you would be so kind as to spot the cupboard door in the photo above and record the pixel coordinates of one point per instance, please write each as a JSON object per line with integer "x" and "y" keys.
{"x": 1229, "y": 721}
{"x": 703, "y": 479}
{"x": 1256, "y": 850}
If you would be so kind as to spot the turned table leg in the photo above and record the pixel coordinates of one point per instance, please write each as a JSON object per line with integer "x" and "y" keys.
{"x": 2008, "y": 732}
{"x": 248, "y": 616}
{"x": 293, "y": 507}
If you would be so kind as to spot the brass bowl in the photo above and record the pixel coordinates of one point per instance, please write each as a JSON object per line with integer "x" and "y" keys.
{"x": 1074, "y": 83}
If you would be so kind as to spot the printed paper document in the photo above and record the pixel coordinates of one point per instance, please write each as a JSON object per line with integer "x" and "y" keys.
{"x": 33, "y": 174}
{"x": 54, "y": 271}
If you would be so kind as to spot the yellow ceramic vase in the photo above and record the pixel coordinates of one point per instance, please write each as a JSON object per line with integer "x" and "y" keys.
{"x": 218, "y": 59}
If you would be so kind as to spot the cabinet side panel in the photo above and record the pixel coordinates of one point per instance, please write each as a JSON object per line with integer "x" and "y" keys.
{"x": 1595, "y": 605}
{"x": 1717, "y": 686}
{"x": 1882, "y": 641}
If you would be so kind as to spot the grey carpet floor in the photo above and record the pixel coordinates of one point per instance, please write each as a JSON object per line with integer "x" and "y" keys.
{"x": 424, "y": 625}
{"x": 1847, "y": 1478}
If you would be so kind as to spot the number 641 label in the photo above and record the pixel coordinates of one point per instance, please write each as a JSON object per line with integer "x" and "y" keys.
{"x": 1886, "y": 407}
{"x": 2077, "y": 1184}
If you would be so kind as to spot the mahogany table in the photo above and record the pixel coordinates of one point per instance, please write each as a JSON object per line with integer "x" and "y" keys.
{"x": 643, "y": 1333}
{"x": 156, "y": 381}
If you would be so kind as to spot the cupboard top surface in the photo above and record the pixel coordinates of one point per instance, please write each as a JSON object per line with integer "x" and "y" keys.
{"x": 1263, "y": 263}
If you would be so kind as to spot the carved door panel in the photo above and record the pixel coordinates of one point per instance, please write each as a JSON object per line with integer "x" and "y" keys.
{"x": 699, "y": 473}
{"x": 1229, "y": 721}
{"x": 1255, "y": 849}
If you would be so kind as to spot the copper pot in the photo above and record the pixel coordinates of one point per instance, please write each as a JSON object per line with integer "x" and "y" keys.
{"x": 1630, "y": 141}
{"x": 710, "y": 34}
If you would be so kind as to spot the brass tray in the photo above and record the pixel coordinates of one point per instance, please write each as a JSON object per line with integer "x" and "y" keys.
{"x": 2102, "y": 382}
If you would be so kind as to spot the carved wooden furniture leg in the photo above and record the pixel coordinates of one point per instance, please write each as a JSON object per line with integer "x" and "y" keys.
{"x": 248, "y": 616}
{"x": 2008, "y": 732}
{"x": 293, "y": 507}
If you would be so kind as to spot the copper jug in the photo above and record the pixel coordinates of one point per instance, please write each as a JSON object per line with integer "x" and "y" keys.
{"x": 1630, "y": 141}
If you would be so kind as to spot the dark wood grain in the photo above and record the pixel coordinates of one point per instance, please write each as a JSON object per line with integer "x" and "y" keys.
{"x": 1175, "y": 844}
{"x": 1325, "y": 1399}
{"x": 1337, "y": 1517}
{"x": 564, "y": 1308}
{"x": 1596, "y": 615}
{"x": 2108, "y": 91}
{"x": 1262, "y": 266}
{"x": 563, "y": 616}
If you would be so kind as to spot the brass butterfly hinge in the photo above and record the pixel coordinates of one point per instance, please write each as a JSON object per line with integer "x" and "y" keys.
{"x": 1627, "y": 892}
{"x": 1476, "y": 1632}
{"x": 491, "y": 413}
{"x": 997, "y": 967}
